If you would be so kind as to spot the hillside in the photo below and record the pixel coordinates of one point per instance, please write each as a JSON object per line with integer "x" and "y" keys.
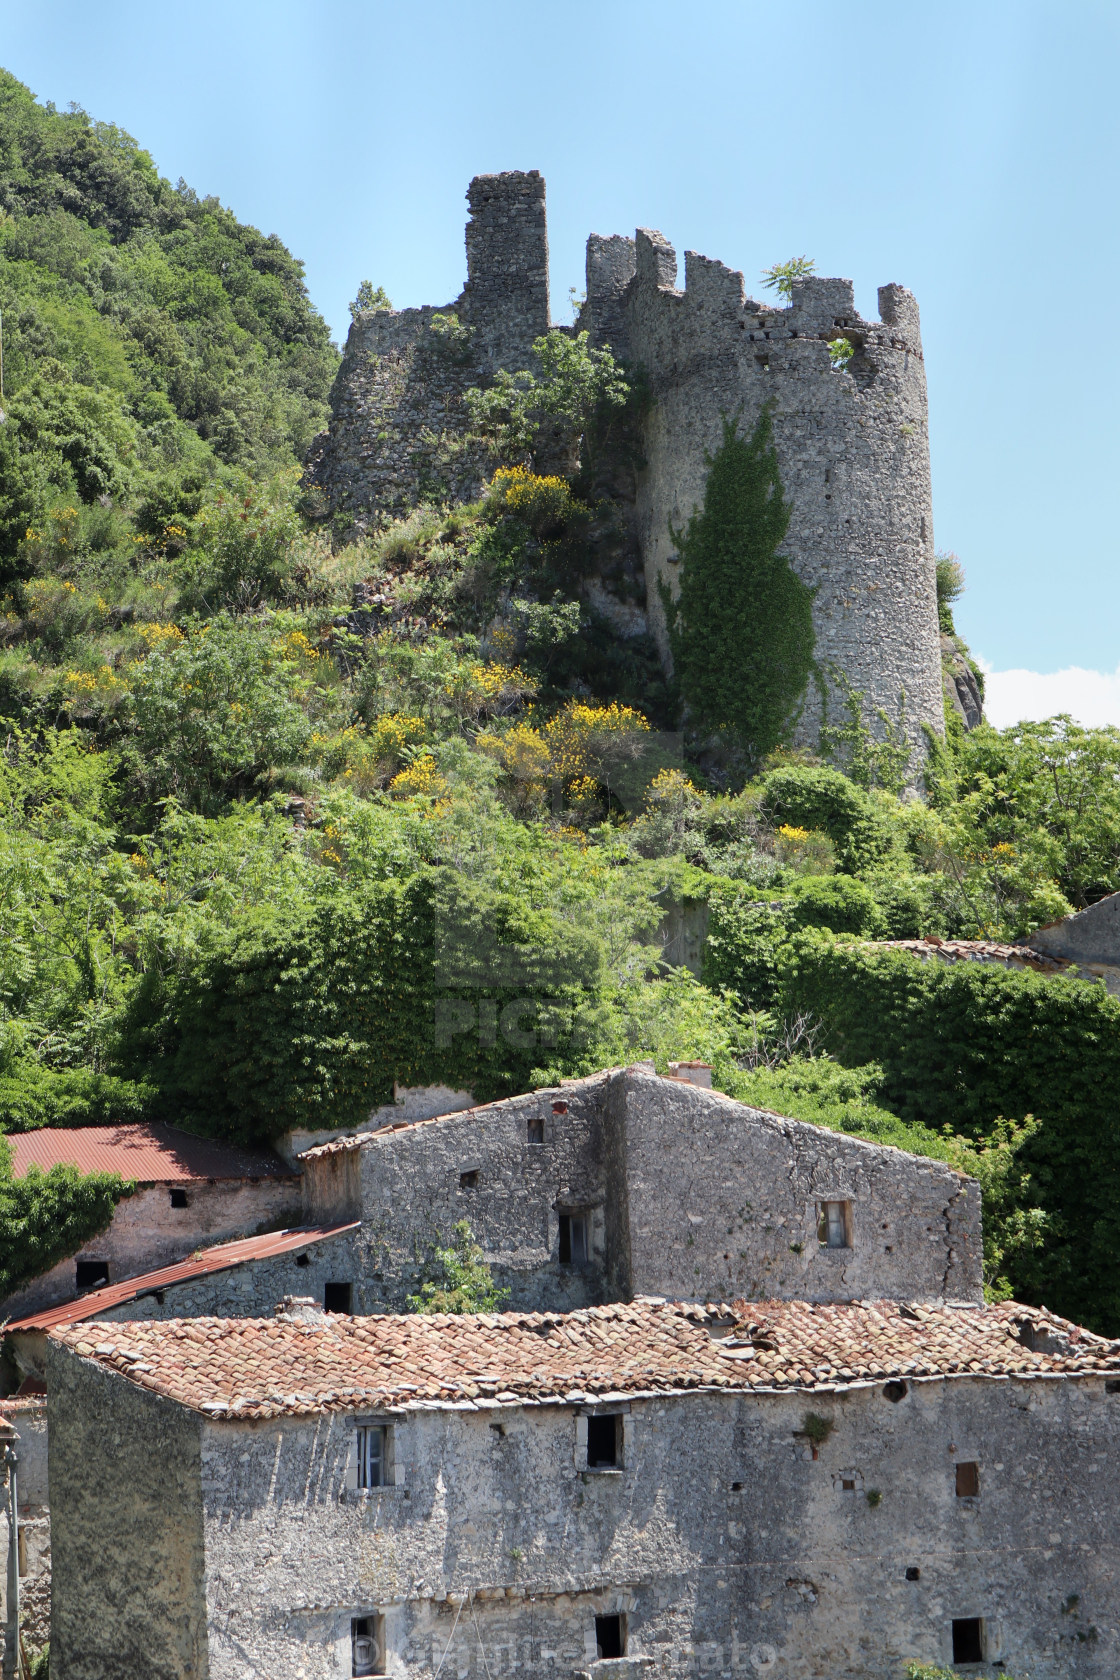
{"x": 290, "y": 817}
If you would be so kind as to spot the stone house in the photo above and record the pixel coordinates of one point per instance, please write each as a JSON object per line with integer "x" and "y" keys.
{"x": 26, "y": 1418}
{"x": 238, "y": 1279}
{"x": 189, "y": 1191}
{"x": 626, "y": 1183}
{"x": 791, "y": 1488}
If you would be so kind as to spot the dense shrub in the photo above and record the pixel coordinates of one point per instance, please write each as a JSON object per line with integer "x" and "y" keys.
{"x": 817, "y": 798}
{"x": 965, "y": 1045}
{"x": 836, "y": 902}
{"x": 46, "y": 1216}
{"x": 32, "y": 1095}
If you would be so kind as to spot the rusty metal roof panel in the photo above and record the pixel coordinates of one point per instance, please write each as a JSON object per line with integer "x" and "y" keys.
{"x": 148, "y": 1154}
{"x": 200, "y": 1264}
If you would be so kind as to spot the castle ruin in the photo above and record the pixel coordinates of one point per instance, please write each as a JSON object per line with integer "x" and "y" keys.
{"x": 851, "y": 436}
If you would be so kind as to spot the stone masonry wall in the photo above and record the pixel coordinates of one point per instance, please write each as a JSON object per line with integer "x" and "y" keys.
{"x": 128, "y": 1558}
{"x": 147, "y": 1232}
{"x": 688, "y": 1195}
{"x": 396, "y": 434}
{"x": 729, "y": 1547}
{"x": 722, "y": 1201}
{"x": 853, "y": 452}
{"x": 29, "y": 1416}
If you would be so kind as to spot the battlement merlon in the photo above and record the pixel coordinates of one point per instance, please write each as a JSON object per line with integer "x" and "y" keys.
{"x": 505, "y": 299}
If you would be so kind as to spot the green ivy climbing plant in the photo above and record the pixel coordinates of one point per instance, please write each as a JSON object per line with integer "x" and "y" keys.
{"x": 741, "y": 628}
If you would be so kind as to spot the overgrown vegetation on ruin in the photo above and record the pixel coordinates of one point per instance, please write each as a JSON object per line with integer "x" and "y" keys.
{"x": 284, "y": 821}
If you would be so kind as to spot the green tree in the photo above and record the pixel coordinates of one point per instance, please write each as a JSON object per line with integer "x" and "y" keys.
{"x": 578, "y": 386}
{"x": 456, "y": 1278}
{"x": 741, "y": 629}
{"x": 369, "y": 298}
{"x": 779, "y": 277}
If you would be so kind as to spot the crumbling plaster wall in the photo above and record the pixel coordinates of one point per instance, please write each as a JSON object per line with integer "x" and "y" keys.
{"x": 852, "y": 447}
{"x": 128, "y": 1594}
{"x": 147, "y": 1232}
{"x": 731, "y": 1549}
{"x": 722, "y": 1201}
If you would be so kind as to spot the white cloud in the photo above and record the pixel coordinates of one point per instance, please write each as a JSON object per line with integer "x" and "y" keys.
{"x": 1091, "y": 697}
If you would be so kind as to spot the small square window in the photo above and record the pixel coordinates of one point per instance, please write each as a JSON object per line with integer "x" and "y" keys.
{"x": 834, "y": 1225}
{"x": 91, "y": 1274}
{"x": 535, "y": 1128}
{"x": 179, "y": 1199}
{"x": 968, "y": 1639}
{"x": 469, "y": 1180}
{"x": 373, "y": 1456}
{"x": 610, "y": 1636}
{"x": 573, "y": 1239}
{"x": 913, "y": 1573}
{"x": 338, "y": 1297}
{"x": 604, "y": 1444}
{"x": 367, "y": 1645}
{"x": 968, "y": 1481}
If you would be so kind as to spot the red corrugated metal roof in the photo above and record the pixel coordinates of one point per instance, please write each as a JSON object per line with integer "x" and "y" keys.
{"x": 149, "y": 1154}
{"x": 201, "y": 1264}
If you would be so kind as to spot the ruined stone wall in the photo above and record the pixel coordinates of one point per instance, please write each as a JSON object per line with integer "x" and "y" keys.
{"x": 128, "y": 1594}
{"x": 729, "y": 1547}
{"x": 147, "y": 1232}
{"x": 29, "y": 1416}
{"x": 411, "y": 1193}
{"x": 852, "y": 448}
{"x": 722, "y": 1201}
{"x": 396, "y": 433}
{"x": 687, "y": 1193}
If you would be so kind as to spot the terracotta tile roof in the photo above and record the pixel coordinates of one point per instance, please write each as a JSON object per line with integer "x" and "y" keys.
{"x": 149, "y": 1154}
{"x": 201, "y": 1264}
{"x": 977, "y": 950}
{"x": 268, "y": 1367}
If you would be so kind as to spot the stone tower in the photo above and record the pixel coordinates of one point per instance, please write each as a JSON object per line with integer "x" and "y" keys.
{"x": 852, "y": 440}
{"x": 852, "y": 445}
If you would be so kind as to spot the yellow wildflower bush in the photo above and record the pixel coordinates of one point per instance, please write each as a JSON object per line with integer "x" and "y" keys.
{"x": 487, "y": 690}
{"x": 585, "y": 739}
{"x": 525, "y": 759}
{"x": 804, "y": 849}
{"x": 104, "y": 686}
{"x": 158, "y": 636}
{"x": 421, "y": 779}
{"x": 544, "y": 503}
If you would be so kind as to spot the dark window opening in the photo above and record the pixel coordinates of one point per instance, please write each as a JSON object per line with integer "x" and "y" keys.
{"x": 373, "y": 1457}
{"x": 366, "y": 1645}
{"x": 535, "y": 1129}
{"x": 602, "y": 1442}
{"x": 91, "y": 1274}
{"x": 303, "y": 1259}
{"x": 559, "y": 1108}
{"x": 736, "y": 1487}
{"x": 913, "y": 1574}
{"x": 573, "y": 1239}
{"x": 968, "y": 1639}
{"x": 338, "y": 1297}
{"x": 179, "y": 1199}
{"x": 610, "y": 1636}
{"x": 1112, "y": 1387}
{"x": 968, "y": 1481}
{"x": 895, "y": 1391}
{"x": 848, "y": 1484}
{"x": 469, "y": 1180}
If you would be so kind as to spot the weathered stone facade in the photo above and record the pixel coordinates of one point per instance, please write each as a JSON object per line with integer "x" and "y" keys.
{"x": 852, "y": 439}
{"x": 28, "y": 1416}
{"x": 835, "y": 1529}
{"x": 685, "y": 1193}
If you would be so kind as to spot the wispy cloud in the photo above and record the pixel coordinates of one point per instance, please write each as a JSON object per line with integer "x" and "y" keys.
{"x": 1092, "y": 697}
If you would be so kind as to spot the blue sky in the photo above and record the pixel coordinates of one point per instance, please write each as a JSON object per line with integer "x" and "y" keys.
{"x": 967, "y": 150}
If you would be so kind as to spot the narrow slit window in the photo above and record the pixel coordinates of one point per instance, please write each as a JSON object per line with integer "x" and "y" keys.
{"x": 968, "y": 1481}
{"x": 373, "y": 1456}
{"x": 603, "y": 1442}
{"x": 91, "y": 1274}
{"x": 338, "y": 1297}
{"x": 367, "y": 1645}
{"x": 535, "y": 1129}
{"x": 834, "y": 1225}
{"x": 610, "y": 1636}
{"x": 573, "y": 1239}
{"x": 968, "y": 1639}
